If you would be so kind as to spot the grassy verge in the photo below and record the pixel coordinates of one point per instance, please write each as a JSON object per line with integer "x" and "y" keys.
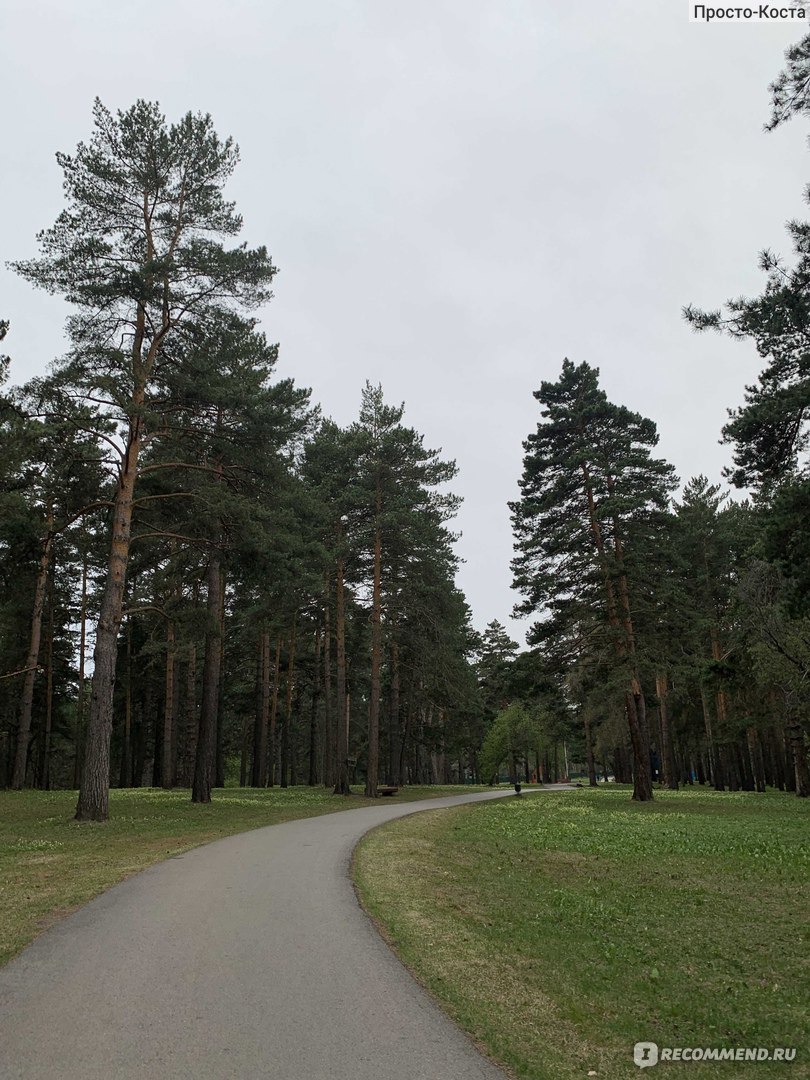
{"x": 49, "y": 864}
{"x": 562, "y": 928}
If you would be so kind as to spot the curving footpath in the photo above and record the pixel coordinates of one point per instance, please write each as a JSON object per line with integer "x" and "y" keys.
{"x": 247, "y": 958}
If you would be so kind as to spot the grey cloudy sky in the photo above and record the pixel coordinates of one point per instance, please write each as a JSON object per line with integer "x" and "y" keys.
{"x": 458, "y": 194}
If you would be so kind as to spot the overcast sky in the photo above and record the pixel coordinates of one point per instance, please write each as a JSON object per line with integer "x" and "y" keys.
{"x": 458, "y": 195}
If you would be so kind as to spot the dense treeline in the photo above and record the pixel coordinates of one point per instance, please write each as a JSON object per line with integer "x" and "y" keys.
{"x": 288, "y": 614}
{"x": 265, "y": 593}
{"x": 270, "y": 598}
{"x": 678, "y": 629}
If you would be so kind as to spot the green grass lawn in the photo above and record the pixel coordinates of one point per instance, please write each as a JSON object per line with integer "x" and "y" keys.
{"x": 561, "y": 928}
{"x": 49, "y": 864}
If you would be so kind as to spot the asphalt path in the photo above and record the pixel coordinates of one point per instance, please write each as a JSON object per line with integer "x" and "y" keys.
{"x": 247, "y": 958}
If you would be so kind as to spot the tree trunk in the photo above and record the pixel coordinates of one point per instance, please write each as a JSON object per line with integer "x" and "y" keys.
{"x": 402, "y": 774}
{"x": 45, "y": 778}
{"x": 272, "y": 755}
{"x": 341, "y": 726}
{"x": 93, "y": 804}
{"x": 140, "y": 723}
{"x": 32, "y": 660}
{"x": 620, "y": 619}
{"x": 77, "y": 754}
{"x": 756, "y": 757}
{"x": 287, "y": 716}
{"x": 589, "y": 750}
{"x": 206, "y": 739}
{"x": 744, "y": 765}
{"x": 715, "y": 764}
{"x": 395, "y": 752}
{"x": 168, "y": 712}
{"x": 125, "y": 773}
{"x": 243, "y": 759}
{"x": 725, "y": 752}
{"x": 219, "y": 770}
{"x": 259, "y": 775}
{"x": 794, "y": 735}
{"x": 670, "y": 769}
{"x": 295, "y": 732}
{"x": 636, "y": 718}
{"x": 330, "y": 733}
{"x": 192, "y": 720}
{"x": 372, "y": 774}
{"x": 313, "y": 714}
{"x": 699, "y": 771}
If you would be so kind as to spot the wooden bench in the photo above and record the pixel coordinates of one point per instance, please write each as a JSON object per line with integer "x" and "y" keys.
{"x": 387, "y": 789}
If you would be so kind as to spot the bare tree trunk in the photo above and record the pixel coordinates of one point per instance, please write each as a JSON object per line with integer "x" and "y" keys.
{"x": 313, "y": 714}
{"x": 744, "y": 766}
{"x": 620, "y": 619}
{"x": 777, "y": 752}
{"x": 204, "y": 761}
{"x": 727, "y": 764}
{"x": 395, "y": 753}
{"x": 272, "y": 755}
{"x": 192, "y": 721}
{"x": 93, "y": 804}
{"x": 140, "y": 725}
{"x": 667, "y": 752}
{"x": 346, "y": 723}
{"x": 636, "y": 719}
{"x": 32, "y": 660}
{"x": 77, "y": 755}
{"x": 715, "y": 764}
{"x": 330, "y": 732}
{"x": 287, "y": 716}
{"x": 588, "y": 750}
{"x": 637, "y": 716}
{"x": 341, "y": 726}
{"x": 45, "y": 779}
{"x": 757, "y": 759}
{"x": 372, "y": 775}
{"x": 219, "y": 770}
{"x": 168, "y": 714}
{"x": 402, "y": 772}
{"x": 243, "y": 759}
{"x": 794, "y": 736}
{"x": 787, "y": 759}
{"x": 125, "y": 774}
{"x": 259, "y": 777}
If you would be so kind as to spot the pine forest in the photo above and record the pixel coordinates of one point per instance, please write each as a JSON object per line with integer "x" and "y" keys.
{"x": 206, "y": 581}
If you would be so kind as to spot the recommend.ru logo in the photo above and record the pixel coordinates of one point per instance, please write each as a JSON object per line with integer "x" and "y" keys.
{"x": 646, "y": 1054}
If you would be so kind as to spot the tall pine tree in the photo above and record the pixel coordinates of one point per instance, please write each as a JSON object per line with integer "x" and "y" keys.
{"x": 588, "y": 480}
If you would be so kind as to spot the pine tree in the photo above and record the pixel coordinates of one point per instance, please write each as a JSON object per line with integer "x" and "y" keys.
{"x": 496, "y": 656}
{"x": 588, "y": 479}
{"x": 330, "y": 474}
{"x": 62, "y": 484}
{"x": 138, "y": 250}
{"x": 770, "y": 432}
{"x": 397, "y": 477}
